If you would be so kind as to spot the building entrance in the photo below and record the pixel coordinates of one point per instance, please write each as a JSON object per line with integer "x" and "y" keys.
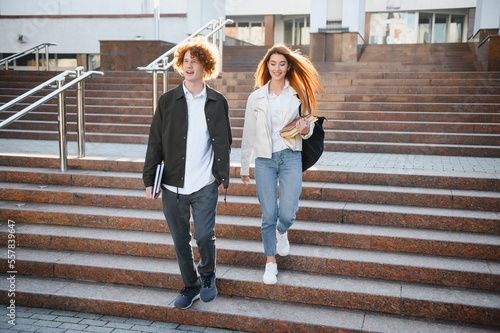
{"x": 416, "y": 27}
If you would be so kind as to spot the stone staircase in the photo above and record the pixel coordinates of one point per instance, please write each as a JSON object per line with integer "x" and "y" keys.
{"x": 425, "y": 108}
{"x": 373, "y": 250}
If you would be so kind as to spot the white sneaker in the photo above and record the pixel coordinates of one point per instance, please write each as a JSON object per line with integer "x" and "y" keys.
{"x": 282, "y": 246}
{"x": 270, "y": 273}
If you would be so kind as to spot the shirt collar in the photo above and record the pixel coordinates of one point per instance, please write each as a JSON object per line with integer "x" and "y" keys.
{"x": 189, "y": 95}
{"x": 285, "y": 88}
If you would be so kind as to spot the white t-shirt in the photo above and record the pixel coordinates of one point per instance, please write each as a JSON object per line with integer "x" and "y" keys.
{"x": 278, "y": 104}
{"x": 199, "y": 152}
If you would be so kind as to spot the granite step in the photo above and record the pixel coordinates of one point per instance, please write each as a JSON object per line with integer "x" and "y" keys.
{"x": 142, "y": 117}
{"x": 341, "y": 120}
{"x": 330, "y": 145}
{"x": 323, "y": 192}
{"x": 399, "y": 239}
{"x": 430, "y": 270}
{"x": 412, "y": 126}
{"x": 37, "y": 169}
{"x": 410, "y": 148}
{"x": 90, "y": 110}
{"x": 404, "y": 148}
{"x": 328, "y": 106}
{"x": 90, "y": 137}
{"x": 408, "y": 137}
{"x": 117, "y": 127}
{"x": 409, "y": 116}
{"x": 227, "y": 312}
{"x": 294, "y": 287}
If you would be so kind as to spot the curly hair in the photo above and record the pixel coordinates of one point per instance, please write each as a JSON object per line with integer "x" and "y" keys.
{"x": 303, "y": 77}
{"x": 206, "y": 53}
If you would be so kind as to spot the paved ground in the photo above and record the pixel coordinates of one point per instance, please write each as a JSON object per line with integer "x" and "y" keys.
{"x": 52, "y": 321}
{"x": 421, "y": 164}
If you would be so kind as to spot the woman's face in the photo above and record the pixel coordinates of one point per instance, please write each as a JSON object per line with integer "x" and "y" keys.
{"x": 278, "y": 66}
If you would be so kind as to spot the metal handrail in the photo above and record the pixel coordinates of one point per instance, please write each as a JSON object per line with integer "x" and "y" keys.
{"x": 161, "y": 64}
{"x": 487, "y": 38}
{"x": 60, "y": 93}
{"x": 37, "y": 48}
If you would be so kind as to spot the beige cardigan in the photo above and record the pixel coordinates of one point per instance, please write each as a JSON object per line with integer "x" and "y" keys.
{"x": 256, "y": 131}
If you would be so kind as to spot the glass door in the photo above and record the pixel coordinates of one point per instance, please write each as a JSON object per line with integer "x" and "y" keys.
{"x": 456, "y": 29}
{"x": 424, "y": 27}
{"x": 297, "y": 31}
{"x": 440, "y": 28}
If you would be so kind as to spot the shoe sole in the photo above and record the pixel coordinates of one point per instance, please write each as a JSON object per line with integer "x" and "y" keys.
{"x": 270, "y": 282}
{"x": 197, "y": 297}
{"x": 283, "y": 254}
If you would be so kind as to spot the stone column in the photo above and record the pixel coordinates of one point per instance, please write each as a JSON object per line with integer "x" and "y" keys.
{"x": 269, "y": 30}
{"x": 494, "y": 53}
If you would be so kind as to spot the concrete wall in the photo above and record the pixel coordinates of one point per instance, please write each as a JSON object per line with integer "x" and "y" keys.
{"x": 487, "y": 15}
{"x": 266, "y": 7}
{"x": 77, "y": 26}
{"x": 381, "y": 5}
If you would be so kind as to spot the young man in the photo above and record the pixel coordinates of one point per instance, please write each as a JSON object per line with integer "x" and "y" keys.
{"x": 191, "y": 134}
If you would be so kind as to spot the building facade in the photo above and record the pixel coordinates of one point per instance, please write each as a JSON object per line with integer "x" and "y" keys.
{"x": 79, "y": 26}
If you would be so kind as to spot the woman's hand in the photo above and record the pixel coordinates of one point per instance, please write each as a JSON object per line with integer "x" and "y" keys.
{"x": 245, "y": 179}
{"x": 302, "y": 126}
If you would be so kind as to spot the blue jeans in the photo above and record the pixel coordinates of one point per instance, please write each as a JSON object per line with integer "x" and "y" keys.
{"x": 284, "y": 171}
{"x": 177, "y": 210}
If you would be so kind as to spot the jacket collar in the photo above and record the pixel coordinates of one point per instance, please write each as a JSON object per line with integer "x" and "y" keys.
{"x": 179, "y": 92}
{"x": 262, "y": 91}
{"x": 261, "y": 97}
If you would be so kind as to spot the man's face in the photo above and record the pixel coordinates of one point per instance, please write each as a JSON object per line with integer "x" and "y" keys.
{"x": 192, "y": 68}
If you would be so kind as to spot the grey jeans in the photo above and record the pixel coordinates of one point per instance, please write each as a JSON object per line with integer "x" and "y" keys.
{"x": 177, "y": 209}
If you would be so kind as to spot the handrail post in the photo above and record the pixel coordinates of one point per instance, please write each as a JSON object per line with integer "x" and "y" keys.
{"x": 165, "y": 81}
{"x": 165, "y": 75}
{"x": 80, "y": 109}
{"x": 155, "y": 89}
{"x": 221, "y": 43}
{"x": 63, "y": 148}
{"x": 214, "y": 26}
{"x": 46, "y": 57}
{"x": 37, "y": 59}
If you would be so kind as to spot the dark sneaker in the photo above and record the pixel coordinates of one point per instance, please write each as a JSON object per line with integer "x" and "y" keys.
{"x": 187, "y": 297}
{"x": 208, "y": 289}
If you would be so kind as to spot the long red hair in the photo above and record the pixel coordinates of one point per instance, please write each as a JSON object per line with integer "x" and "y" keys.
{"x": 302, "y": 75}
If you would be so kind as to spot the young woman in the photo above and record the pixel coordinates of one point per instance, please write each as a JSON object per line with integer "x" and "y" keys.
{"x": 287, "y": 82}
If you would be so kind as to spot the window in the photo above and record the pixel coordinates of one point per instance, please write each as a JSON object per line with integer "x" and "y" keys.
{"x": 249, "y": 32}
{"x": 415, "y": 27}
{"x": 297, "y": 31}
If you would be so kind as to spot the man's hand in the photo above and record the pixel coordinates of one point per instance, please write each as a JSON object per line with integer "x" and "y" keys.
{"x": 149, "y": 193}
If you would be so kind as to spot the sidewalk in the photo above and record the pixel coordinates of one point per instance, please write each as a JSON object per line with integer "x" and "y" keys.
{"x": 55, "y": 321}
{"x": 340, "y": 161}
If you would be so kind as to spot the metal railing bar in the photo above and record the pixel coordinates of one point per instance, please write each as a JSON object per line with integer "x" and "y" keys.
{"x": 154, "y": 66}
{"x": 151, "y": 66}
{"x": 60, "y": 93}
{"x": 63, "y": 138}
{"x": 21, "y": 54}
{"x": 31, "y": 92}
{"x": 53, "y": 94}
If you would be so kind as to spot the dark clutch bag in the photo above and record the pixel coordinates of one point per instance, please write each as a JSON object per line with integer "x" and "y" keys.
{"x": 312, "y": 148}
